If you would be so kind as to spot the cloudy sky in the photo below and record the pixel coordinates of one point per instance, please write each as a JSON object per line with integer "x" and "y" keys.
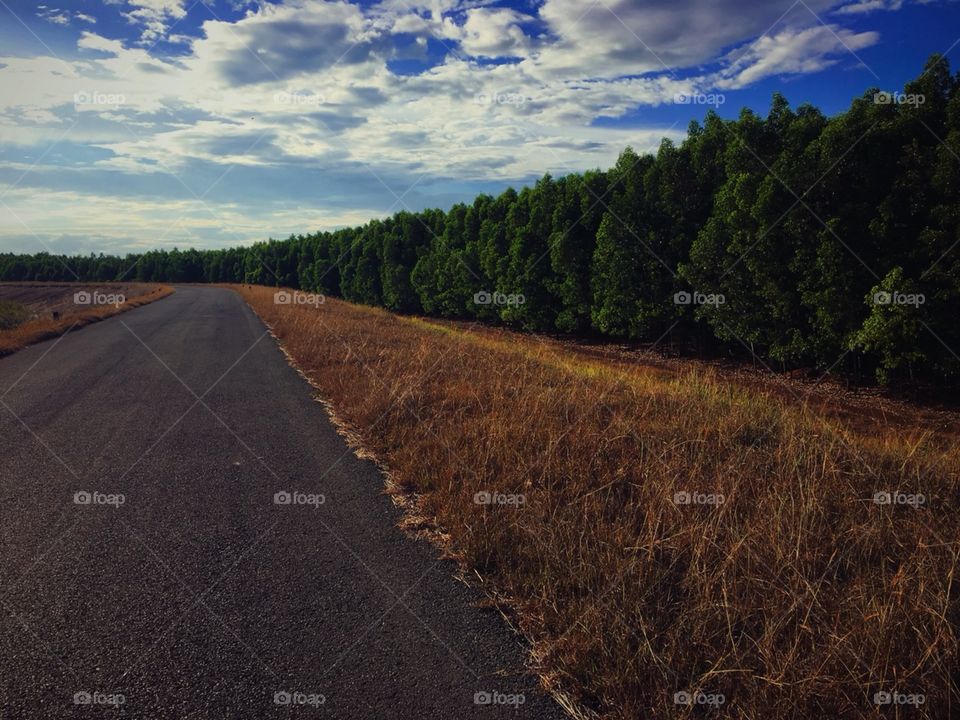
{"x": 134, "y": 124}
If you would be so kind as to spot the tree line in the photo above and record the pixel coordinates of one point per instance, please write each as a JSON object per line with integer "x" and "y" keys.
{"x": 806, "y": 240}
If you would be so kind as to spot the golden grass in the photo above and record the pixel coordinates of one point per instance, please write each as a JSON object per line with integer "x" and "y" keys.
{"x": 798, "y": 596}
{"x": 44, "y": 326}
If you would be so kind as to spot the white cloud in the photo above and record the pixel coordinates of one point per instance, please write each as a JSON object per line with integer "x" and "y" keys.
{"x": 283, "y": 42}
{"x": 62, "y": 17}
{"x": 793, "y": 52}
{"x": 53, "y": 15}
{"x": 494, "y": 33}
{"x": 860, "y": 7}
{"x": 92, "y": 41}
{"x": 155, "y": 17}
{"x": 616, "y": 38}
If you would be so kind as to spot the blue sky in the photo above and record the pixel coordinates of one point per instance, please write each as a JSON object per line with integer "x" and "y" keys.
{"x": 134, "y": 124}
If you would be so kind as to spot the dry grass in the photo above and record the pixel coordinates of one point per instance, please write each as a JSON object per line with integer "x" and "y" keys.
{"x": 796, "y": 597}
{"x": 42, "y": 300}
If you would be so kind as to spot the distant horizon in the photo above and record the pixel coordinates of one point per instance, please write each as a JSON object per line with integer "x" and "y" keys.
{"x": 138, "y": 125}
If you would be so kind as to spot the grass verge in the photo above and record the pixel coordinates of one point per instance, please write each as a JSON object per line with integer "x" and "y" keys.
{"x": 659, "y": 534}
{"x": 12, "y": 314}
{"x": 29, "y": 330}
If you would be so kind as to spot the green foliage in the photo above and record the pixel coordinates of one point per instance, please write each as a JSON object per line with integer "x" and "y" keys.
{"x": 893, "y": 331}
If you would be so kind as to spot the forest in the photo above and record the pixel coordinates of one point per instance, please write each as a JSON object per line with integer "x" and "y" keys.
{"x": 803, "y": 240}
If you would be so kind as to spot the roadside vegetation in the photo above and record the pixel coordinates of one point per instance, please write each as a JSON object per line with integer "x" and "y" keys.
{"x": 32, "y": 312}
{"x": 12, "y": 314}
{"x": 659, "y": 536}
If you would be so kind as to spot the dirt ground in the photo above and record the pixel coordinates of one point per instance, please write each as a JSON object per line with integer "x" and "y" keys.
{"x": 43, "y": 298}
{"x": 53, "y": 310}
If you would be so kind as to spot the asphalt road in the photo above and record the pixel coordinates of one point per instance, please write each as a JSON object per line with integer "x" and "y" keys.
{"x": 200, "y": 596}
